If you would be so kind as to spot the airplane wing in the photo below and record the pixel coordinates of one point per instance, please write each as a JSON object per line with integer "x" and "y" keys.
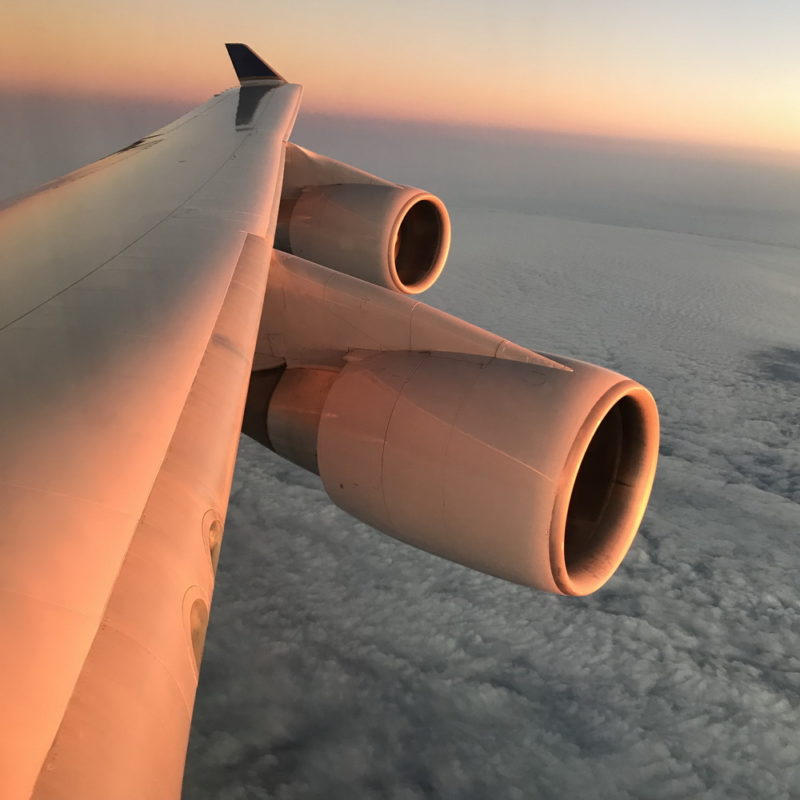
{"x": 212, "y": 278}
{"x": 130, "y": 298}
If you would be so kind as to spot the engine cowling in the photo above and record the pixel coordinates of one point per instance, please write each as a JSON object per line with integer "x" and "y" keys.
{"x": 333, "y": 214}
{"x": 531, "y": 467}
{"x": 534, "y": 474}
{"x": 392, "y": 236}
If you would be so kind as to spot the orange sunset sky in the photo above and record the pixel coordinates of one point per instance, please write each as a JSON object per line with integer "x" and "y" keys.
{"x": 708, "y": 71}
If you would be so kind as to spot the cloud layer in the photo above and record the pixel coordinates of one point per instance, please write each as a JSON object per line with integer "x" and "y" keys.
{"x": 343, "y": 664}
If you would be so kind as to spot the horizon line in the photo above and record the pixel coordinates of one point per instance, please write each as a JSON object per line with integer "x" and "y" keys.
{"x": 778, "y": 154}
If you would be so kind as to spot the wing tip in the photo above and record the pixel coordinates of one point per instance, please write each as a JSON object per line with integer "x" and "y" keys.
{"x": 249, "y": 66}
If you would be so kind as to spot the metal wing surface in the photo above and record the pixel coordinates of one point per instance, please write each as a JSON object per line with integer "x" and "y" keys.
{"x": 130, "y": 297}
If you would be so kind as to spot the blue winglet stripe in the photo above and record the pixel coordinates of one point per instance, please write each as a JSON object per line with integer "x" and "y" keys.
{"x": 248, "y": 66}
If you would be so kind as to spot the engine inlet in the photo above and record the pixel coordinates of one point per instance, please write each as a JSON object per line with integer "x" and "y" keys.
{"x": 606, "y": 485}
{"x": 420, "y": 244}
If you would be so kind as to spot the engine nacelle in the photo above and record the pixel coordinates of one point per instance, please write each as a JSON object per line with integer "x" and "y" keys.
{"x": 530, "y": 467}
{"x": 534, "y": 474}
{"x": 394, "y": 236}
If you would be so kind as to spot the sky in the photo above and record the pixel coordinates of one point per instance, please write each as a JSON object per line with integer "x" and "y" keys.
{"x": 720, "y": 72}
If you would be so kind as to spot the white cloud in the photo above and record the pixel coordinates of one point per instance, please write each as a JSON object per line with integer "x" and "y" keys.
{"x": 343, "y": 664}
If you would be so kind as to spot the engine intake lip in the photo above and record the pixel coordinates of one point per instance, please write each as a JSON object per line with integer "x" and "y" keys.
{"x": 419, "y": 243}
{"x": 603, "y": 489}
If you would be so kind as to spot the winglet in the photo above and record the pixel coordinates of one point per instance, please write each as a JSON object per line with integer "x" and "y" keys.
{"x": 249, "y": 67}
